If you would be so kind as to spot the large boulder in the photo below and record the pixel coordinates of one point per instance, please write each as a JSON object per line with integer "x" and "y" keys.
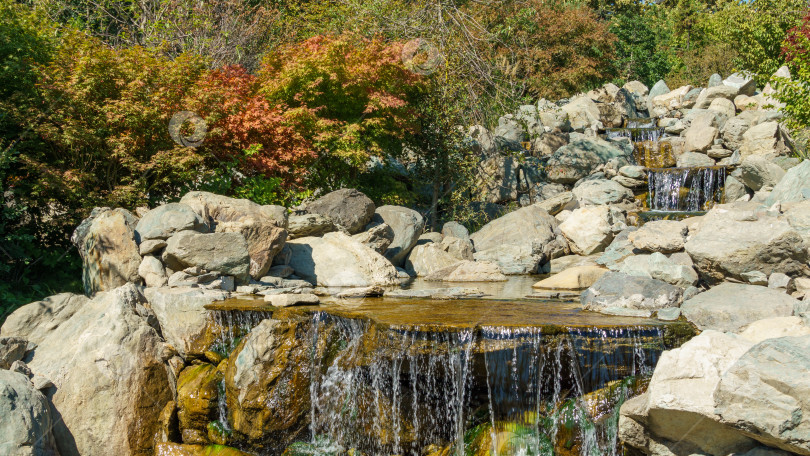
{"x": 407, "y": 225}
{"x": 765, "y": 394}
{"x": 677, "y": 414}
{"x": 582, "y": 156}
{"x": 338, "y": 260}
{"x": 263, "y": 227}
{"x": 657, "y": 266}
{"x": 732, "y": 306}
{"x": 184, "y": 321}
{"x": 36, "y": 320}
{"x": 347, "y": 207}
{"x": 271, "y": 365}
{"x": 733, "y": 239}
{"x": 622, "y": 294}
{"x": 108, "y": 366}
{"x": 583, "y": 113}
{"x": 706, "y": 97}
{"x": 599, "y": 192}
{"x": 767, "y": 139}
{"x": 468, "y": 271}
{"x": 519, "y": 242}
{"x": 665, "y": 236}
{"x": 589, "y": 229}
{"x": 426, "y": 259}
{"x": 798, "y": 215}
{"x": 794, "y": 185}
{"x": 377, "y": 237}
{"x": 163, "y": 221}
{"x": 304, "y": 225}
{"x": 223, "y": 252}
{"x": 106, "y": 243}
{"x": 745, "y": 85}
{"x": 699, "y": 137}
{"x": 757, "y": 172}
{"x": 25, "y": 429}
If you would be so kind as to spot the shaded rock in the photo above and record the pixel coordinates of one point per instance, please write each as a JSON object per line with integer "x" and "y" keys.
{"x": 619, "y": 249}
{"x": 362, "y": 292}
{"x": 556, "y": 203}
{"x": 151, "y": 246}
{"x": 110, "y": 255}
{"x": 25, "y": 429}
{"x": 755, "y": 278}
{"x": 732, "y": 306}
{"x": 519, "y": 242}
{"x": 377, "y": 238}
{"x": 152, "y": 272}
{"x": 758, "y": 172}
{"x": 12, "y": 349}
{"x": 425, "y": 259}
{"x": 298, "y": 299}
{"x": 731, "y": 241}
{"x": 676, "y": 415}
{"x": 794, "y": 185}
{"x": 264, "y": 228}
{"x": 223, "y": 252}
{"x": 734, "y": 189}
{"x": 347, "y": 207}
{"x": 660, "y": 88}
{"x": 117, "y": 358}
{"x": 459, "y": 248}
{"x": 657, "y": 266}
{"x": 664, "y": 236}
{"x": 407, "y": 226}
{"x": 176, "y": 449}
{"x": 599, "y": 192}
{"x": 588, "y": 229}
{"x": 617, "y": 293}
{"x": 574, "y": 278}
{"x": 35, "y": 321}
{"x": 468, "y": 271}
{"x": 197, "y": 405}
{"x": 309, "y": 225}
{"x": 456, "y": 230}
{"x": 764, "y": 394}
{"x": 163, "y": 221}
{"x": 582, "y": 156}
{"x": 184, "y": 322}
{"x": 337, "y": 260}
{"x": 744, "y": 84}
{"x": 583, "y": 113}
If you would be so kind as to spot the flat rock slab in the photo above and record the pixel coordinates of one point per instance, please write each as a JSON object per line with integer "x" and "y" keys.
{"x": 732, "y": 306}
{"x": 286, "y": 300}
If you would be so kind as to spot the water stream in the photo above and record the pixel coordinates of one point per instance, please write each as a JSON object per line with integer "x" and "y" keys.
{"x": 685, "y": 189}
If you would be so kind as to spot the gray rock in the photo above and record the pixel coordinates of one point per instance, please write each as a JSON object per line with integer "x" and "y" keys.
{"x": 110, "y": 255}
{"x": 25, "y": 429}
{"x": 309, "y": 225}
{"x": 509, "y": 129}
{"x": 766, "y": 138}
{"x": 732, "y": 306}
{"x": 378, "y": 237}
{"x": 657, "y": 266}
{"x": 520, "y": 241}
{"x": 734, "y": 189}
{"x": 583, "y": 113}
{"x": 223, "y": 252}
{"x": 758, "y": 172}
{"x": 599, "y": 192}
{"x": 347, "y": 207}
{"x": 617, "y": 293}
{"x": 362, "y": 292}
{"x": 664, "y": 236}
{"x": 407, "y": 225}
{"x": 337, "y": 260}
{"x": 425, "y": 259}
{"x": 715, "y": 80}
{"x": 468, "y": 271}
{"x": 151, "y": 246}
{"x": 163, "y": 221}
{"x": 764, "y": 394}
{"x": 436, "y": 293}
{"x": 456, "y": 230}
{"x": 282, "y": 271}
{"x": 12, "y": 349}
{"x": 153, "y": 272}
{"x": 182, "y": 316}
{"x": 755, "y": 277}
{"x": 286, "y": 300}
{"x": 731, "y": 240}
{"x": 723, "y": 92}
{"x": 793, "y": 186}
{"x": 430, "y": 236}
{"x": 745, "y": 85}
{"x": 669, "y": 314}
{"x": 660, "y": 88}
{"x": 459, "y": 248}
{"x": 633, "y": 172}
{"x": 34, "y": 321}
{"x": 619, "y": 249}
{"x": 779, "y": 280}
{"x": 582, "y": 156}
{"x": 555, "y": 204}
{"x": 694, "y": 160}
{"x": 589, "y": 229}
{"x": 107, "y": 362}
{"x": 264, "y": 228}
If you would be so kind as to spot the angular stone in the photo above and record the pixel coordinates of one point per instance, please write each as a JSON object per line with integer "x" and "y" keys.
{"x": 223, "y": 252}
{"x": 337, "y": 260}
{"x": 12, "y": 349}
{"x": 758, "y": 172}
{"x": 153, "y": 272}
{"x": 734, "y": 189}
{"x": 459, "y": 248}
{"x": 732, "y": 306}
{"x": 184, "y": 321}
{"x": 583, "y": 113}
{"x": 556, "y": 203}
{"x": 713, "y": 93}
{"x": 588, "y": 229}
{"x": 579, "y": 158}
{"x": 764, "y": 139}
{"x": 309, "y": 225}
{"x": 469, "y": 271}
{"x": 599, "y": 192}
{"x": 151, "y": 246}
{"x": 347, "y": 207}
{"x": 407, "y": 225}
{"x": 700, "y": 137}
{"x": 794, "y": 185}
{"x": 25, "y": 429}
{"x": 657, "y": 266}
{"x": 36, "y": 320}
{"x": 664, "y": 236}
{"x": 286, "y": 300}
{"x": 163, "y": 221}
{"x": 426, "y": 259}
{"x": 456, "y": 230}
{"x": 744, "y": 84}
{"x": 694, "y": 160}
{"x": 772, "y": 328}
{"x": 574, "y": 278}
{"x": 615, "y": 291}
{"x": 377, "y": 237}
{"x": 110, "y": 255}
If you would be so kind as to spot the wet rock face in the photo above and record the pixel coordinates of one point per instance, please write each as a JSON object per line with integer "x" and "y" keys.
{"x": 110, "y": 255}
{"x": 347, "y": 207}
{"x": 197, "y": 392}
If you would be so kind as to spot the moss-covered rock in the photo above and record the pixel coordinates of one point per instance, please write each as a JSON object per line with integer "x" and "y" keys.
{"x": 197, "y": 393}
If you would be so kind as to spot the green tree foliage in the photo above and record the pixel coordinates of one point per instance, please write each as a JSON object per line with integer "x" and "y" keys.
{"x": 641, "y": 44}
{"x": 795, "y": 92}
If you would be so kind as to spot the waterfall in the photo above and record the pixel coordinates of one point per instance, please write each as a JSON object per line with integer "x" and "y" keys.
{"x": 646, "y": 137}
{"x": 685, "y": 189}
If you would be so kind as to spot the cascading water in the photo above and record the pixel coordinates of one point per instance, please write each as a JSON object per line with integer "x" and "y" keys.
{"x": 646, "y": 137}
{"x": 685, "y": 189}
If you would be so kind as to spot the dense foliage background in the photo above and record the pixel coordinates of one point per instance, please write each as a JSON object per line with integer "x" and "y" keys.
{"x": 302, "y": 97}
